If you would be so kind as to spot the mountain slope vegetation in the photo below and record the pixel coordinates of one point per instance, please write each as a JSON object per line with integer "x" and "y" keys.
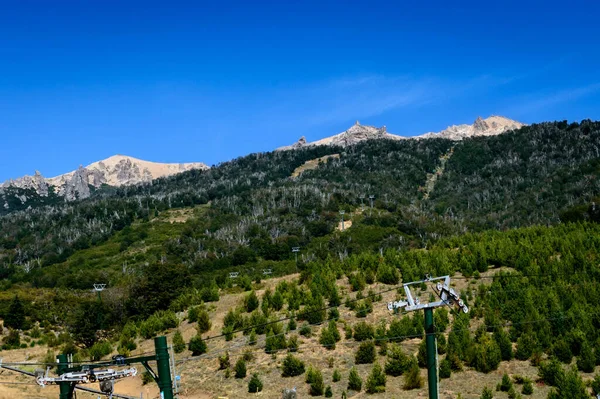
{"x": 512, "y": 217}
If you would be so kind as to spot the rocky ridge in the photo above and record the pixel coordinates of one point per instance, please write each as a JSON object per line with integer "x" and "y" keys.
{"x": 118, "y": 170}
{"x": 490, "y": 126}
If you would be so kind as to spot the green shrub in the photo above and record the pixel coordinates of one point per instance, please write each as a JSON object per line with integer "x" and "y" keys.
{"x": 363, "y": 331}
{"x": 328, "y": 392}
{"x": 203, "y": 320}
{"x": 255, "y": 384}
{"x": 275, "y": 339}
{"x": 486, "y": 355}
{"x": 310, "y": 375}
{"x": 387, "y": 274}
{"x": 397, "y": 361}
{"x": 99, "y": 350}
{"x": 12, "y": 340}
{"x": 334, "y": 314}
{"x": 252, "y": 338}
{"x": 147, "y": 378}
{"x": 527, "y": 388}
{"x": 525, "y": 347}
{"x": 210, "y": 294}
{"x": 487, "y": 394}
{"x": 251, "y": 302}
{"x": 586, "y": 360}
{"x": 445, "y": 368}
{"x": 197, "y": 345}
{"x": 158, "y": 322}
{"x": 570, "y": 386}
{"x": 305, "y": 330}
{"x": 292, "y": 343}
{"x": 562, "y": 351}
{"x": 422, "y": 354}
{"x": 292, "y": 366}
{"x": 503, "y": 341}
{"x": 192, "y": 314}
{"x": 317, "y": 386}
{"x": 506, "y": 383}
{"x": 365, "y": 353}
{"x": 551, "y": 372}
{"x": 327, "y": 338}
{"x": 337, "y": 376}
{"x": 412, "y": 378}
{"x": 376, "y": 380}
{"x": 292, "y": 324}
{"x": 596, "y": 385}
{"x": 178, "y": 342}
{"x": 224, "y": 361}
{"x": 354, "y": 380}
{"x": 240, "y": 368}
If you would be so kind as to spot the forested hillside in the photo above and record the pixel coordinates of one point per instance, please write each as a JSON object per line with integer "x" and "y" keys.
{"x": 512, "y": 217}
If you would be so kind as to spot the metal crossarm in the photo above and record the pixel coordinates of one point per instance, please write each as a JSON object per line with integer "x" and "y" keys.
{"x": 448, "y": 297}
{"x": 88, "y": 376}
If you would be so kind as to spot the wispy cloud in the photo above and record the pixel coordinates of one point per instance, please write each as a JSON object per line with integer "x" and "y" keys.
{"x": 357, "y": 97}
{"x": 547, "y": 100}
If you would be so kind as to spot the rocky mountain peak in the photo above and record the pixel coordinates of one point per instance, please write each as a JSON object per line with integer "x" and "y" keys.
{"x": 480, "y": 125}
{"x": 117, "y": 170}
{"x": 490, "y": 126}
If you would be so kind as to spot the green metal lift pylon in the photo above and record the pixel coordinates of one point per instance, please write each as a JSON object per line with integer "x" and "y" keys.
{"x": 162, "y": 376}
{"x": 165, "y": 383}
{"x": 432, "y": 379}
{"x": 448, "y": 297}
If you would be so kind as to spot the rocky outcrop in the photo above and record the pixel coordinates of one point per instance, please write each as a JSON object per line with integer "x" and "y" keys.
{"x": 491, "y": 126}
{"x": 481, "y": 127}
{"x": 118, "y": 170}
{"x": 35, "y": 182}
{"x": 355, "y": 134}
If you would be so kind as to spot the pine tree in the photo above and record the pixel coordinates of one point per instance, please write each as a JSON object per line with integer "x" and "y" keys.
{"x": 251, "y": 302}
{"x": 487, "y": 394}
{"x": 586, "y": 360}
{"x": 255, "y": 384}
{"x": 527, "y": 388}
{"x": 240, "y": 368}
{"x": 15, "y": 318}
{"x": 365, "y": 353}
{"x": 197, "y": 345}
{"x": 503, "y": 341}
{"x": 506, "y": 383}
{"x": 412, "y": 378}
{"x": 376, "y": 380}
{"x": 178, "y": 342}
{"x": 317, "y": 387}
{"x": 354, "y": 380}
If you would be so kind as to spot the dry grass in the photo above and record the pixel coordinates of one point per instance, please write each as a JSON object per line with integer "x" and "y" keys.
{"x": 201, "y": 378}
{"x": 312, "y": 164}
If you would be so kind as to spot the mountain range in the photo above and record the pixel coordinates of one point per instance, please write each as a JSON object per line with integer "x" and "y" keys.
{"x": 490, "y": 126}
{"x": 120, "y": 170}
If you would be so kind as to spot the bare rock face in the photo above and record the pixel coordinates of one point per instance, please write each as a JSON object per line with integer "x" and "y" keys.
{"x": 35, "y": 182}
{"x": 118, "y": 170}
{"x": 491, "y": 126}
{"x": 77, "y": 187}
{"x": 358, "y": 133}
{"x": 481, "y": 127}
{"x": 300, "y": 143}
{"x": 355, "y": 134}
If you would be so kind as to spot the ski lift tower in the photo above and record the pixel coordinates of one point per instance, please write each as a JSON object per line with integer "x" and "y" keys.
{"x": 98, "y": 288}
{"x": 295, "y": 250}
{"x": 448, "y": 297}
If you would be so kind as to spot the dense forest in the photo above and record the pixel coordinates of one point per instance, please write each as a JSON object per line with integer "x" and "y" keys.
{"x": 512, "y": 217}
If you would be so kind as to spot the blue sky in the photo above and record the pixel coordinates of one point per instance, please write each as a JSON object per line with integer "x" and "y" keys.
{"x": 210, "y": 81}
